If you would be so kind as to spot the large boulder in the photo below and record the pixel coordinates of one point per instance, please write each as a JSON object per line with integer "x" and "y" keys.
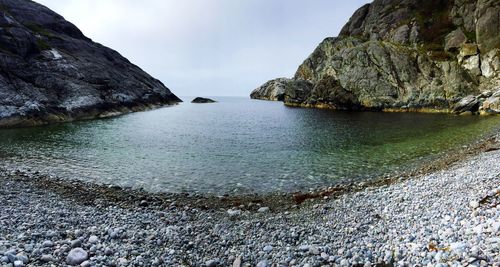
{"x": 50, "y": 72}
{"x": 491, "y": 105}
{"x": 468, "y": 103}
{"x": 455, "y": 40}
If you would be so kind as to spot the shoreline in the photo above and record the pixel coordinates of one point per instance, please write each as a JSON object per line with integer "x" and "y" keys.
{"x": 91, "y": 113}
{"x": 443, "y": 213}
{"x": 130, "y": 197}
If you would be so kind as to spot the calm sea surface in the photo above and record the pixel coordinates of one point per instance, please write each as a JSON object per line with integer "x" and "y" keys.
{"x": 237, "y": 146}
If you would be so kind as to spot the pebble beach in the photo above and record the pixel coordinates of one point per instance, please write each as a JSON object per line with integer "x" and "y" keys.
{"x": 449, "y": 217}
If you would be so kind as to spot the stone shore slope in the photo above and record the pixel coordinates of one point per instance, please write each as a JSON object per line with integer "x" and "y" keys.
{"x": 410, "y": 55}
{"x": 447, "y": 218}
{"x": 50, "y": 72}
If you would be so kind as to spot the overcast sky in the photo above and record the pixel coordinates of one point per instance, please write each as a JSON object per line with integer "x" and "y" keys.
{"x": 210, "y": 47}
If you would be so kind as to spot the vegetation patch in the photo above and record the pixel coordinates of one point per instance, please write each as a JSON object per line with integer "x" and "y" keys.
{"x": 42, "y": 45}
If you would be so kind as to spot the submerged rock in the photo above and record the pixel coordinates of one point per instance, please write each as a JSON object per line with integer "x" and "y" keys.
{"x": 202, "y": 100}
{"x": 400, "y": 56}
{"x": 50, "y": 72}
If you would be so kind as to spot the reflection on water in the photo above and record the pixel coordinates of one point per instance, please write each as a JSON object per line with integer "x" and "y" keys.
{"x": 237, "y": 145}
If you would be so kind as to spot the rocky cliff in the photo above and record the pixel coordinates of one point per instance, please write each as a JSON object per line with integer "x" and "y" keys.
{"x": 403, "y": 55}
{"x": 51, "y": 72}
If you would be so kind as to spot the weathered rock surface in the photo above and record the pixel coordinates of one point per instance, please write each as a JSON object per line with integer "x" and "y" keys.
{"x": 202, "y": 100}
{"x": 400, "y": 56}
{"x": 491, "y": 105}
{"x": 50, "y": 72}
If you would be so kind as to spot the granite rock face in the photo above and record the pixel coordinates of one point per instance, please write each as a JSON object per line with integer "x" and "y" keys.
{"x": 50, "y": 72}
{"x": 392, "y": 55}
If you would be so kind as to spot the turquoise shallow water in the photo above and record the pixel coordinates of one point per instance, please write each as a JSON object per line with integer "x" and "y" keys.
{"x": 237, "y": 146}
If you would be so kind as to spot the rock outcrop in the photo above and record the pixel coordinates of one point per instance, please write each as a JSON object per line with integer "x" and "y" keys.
{"x": 410, "y": 55}
{"x": 202, "y": 100}
{"x": 50, "y": 72}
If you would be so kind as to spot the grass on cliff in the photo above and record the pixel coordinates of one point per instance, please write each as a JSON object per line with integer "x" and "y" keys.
{"x": 35, "y": 28}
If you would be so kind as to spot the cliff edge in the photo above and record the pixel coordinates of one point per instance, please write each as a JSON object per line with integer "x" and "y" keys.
{"x": 410, "y": 55}
{"x": 50, "y": 72}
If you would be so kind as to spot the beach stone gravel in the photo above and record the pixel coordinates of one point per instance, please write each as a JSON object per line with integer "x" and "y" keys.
{"x": 426, "y": 220}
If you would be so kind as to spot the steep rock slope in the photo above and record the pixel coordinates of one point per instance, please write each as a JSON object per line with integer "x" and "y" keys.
{"x": 410, "y": 55}
{"x": 50, "y": 72}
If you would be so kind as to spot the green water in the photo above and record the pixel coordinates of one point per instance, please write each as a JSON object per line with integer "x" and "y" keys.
{"x": 238, "y": 146}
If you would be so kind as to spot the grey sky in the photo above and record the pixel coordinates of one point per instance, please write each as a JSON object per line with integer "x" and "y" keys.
{"x": 210, "y": 47}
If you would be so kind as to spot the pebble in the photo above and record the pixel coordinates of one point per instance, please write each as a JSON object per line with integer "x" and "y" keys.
{"x": 211, "y": 263}
{"x": 474, "y": 204}
{"x": 76, "y": 256}
{"x": 234, "y": 212}
{"x": 46, "y": 258}
{"x": 393, "y": 224}
{"x": 93, "y": 239}
{"x": 22, "y": 258}
{"x": 76, "y": 243}
{"x": 314, "y": 250}
{"x": 263, "y": 209}
{"x": 268, "y": 248}
{"x": 48, "y": 243}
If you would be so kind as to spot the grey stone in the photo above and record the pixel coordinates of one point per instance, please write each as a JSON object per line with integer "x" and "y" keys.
{"x": 76, "y": 243}
{"x": 455, "y": 39}
{"x": 468, "y": 103}
{"x": 22, "y": 257}
{"x": 48, "y": 243}
{"x": 46, "y": 258}
{"x": 76, "y": 256}
{"x": 263, "y": 210}
{"x": 93, "y": 239}
{"x": 491, "y": 105}
{"x": 211, "y": 263}
{"x": 267, "y": 248}
{"x": 233, "y": 212}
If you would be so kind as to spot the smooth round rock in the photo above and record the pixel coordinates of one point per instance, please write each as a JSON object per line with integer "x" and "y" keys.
{"x": 76, "y": 256}
{"x": 46, "y": 258}
{"x": 93, "y": 239}
{"x": 48, "y": 243}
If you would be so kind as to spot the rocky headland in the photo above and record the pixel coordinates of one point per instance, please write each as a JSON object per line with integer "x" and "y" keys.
{"x": 428, "y": 56}
{"x": 50, "y": 72}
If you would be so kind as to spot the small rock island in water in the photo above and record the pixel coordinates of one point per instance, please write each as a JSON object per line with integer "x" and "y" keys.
{"x": 202, "y": 100}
